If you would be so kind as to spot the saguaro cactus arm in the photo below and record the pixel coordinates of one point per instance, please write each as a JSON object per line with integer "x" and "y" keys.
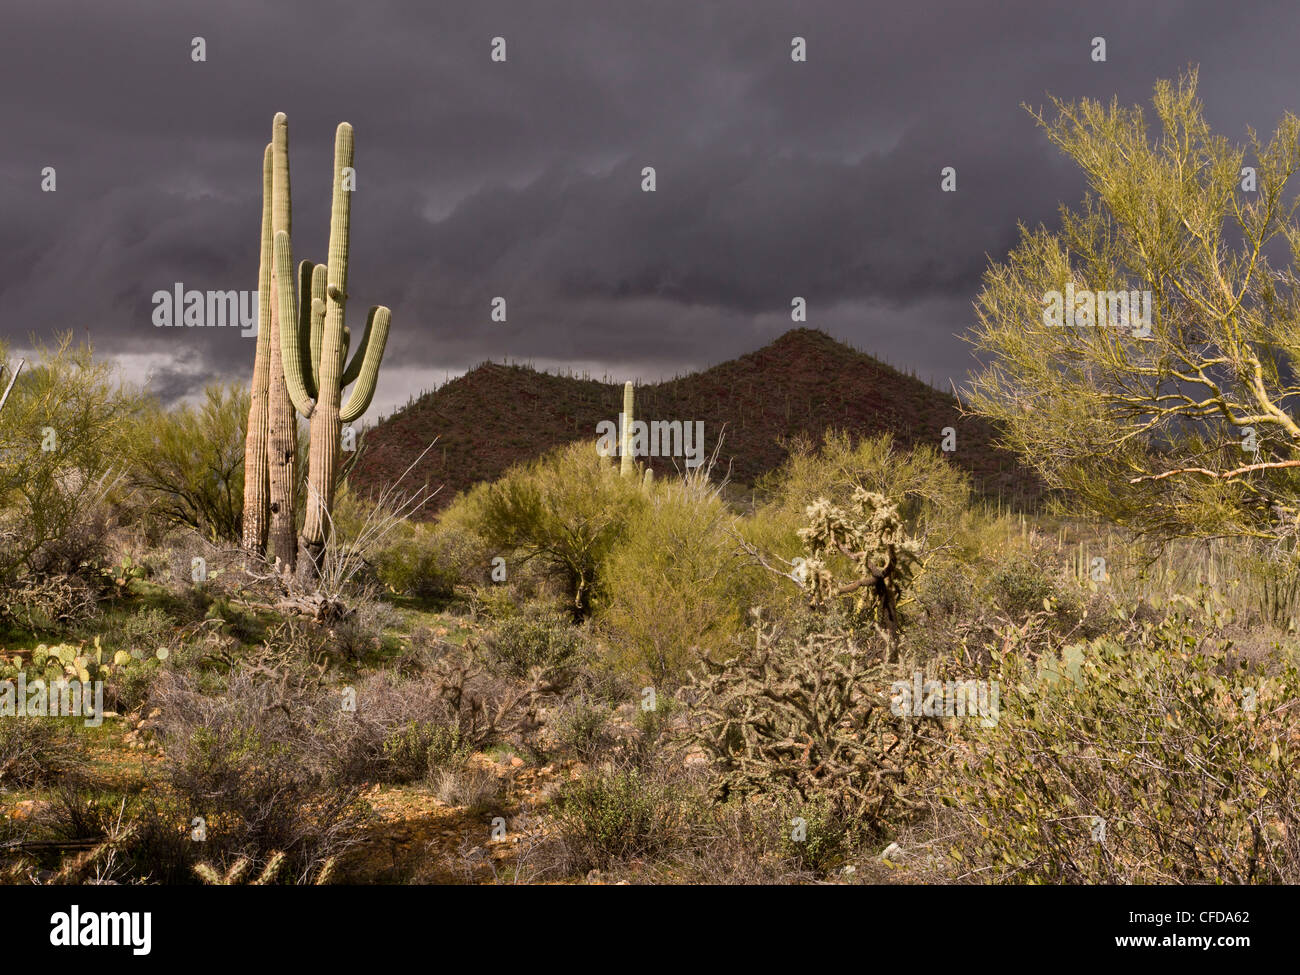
{"x": 318, "y": 273}
{"x": 369, "y": 353}
{"x": 336, "y": 291}
{"x": 291, "y": 338}
{"x": 309, "y": 339}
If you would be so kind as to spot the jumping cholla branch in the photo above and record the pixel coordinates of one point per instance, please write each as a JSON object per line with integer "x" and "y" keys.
{"x": 882, "y": 557}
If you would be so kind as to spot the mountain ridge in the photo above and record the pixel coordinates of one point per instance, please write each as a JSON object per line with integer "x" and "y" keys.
{"x": 801, "y": 384}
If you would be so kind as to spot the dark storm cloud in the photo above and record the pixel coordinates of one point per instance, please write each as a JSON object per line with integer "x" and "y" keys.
{"x": 522, "y": 179}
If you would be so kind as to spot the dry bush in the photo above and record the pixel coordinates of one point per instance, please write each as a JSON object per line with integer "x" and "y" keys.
{"x": 49, "y": 604}
{"x": 472, "y": 786}
{"x": 34, "y": 751}
{"x": 1146, "y": 761}
{"x": 253, "y": 765}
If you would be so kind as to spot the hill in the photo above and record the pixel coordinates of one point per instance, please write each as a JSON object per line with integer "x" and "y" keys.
{"x": 800, "y": 385}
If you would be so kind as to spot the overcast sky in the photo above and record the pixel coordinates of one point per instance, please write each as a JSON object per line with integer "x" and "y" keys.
{"x": 522, "y": 179}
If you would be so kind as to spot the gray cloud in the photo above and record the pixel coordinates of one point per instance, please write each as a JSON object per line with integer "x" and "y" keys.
{"x": 522, "y": 179}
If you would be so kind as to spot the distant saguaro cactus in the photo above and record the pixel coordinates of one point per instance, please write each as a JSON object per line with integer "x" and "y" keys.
{"x": 627, "y": 466}
{"x": 314, "y": 344}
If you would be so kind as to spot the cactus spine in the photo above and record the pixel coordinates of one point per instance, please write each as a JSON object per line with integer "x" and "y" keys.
{"x": 314, "y": 343}
{"x": 257, "y": 501}
{"x": 282, "y": 438}
{"x": 627, "y": 466}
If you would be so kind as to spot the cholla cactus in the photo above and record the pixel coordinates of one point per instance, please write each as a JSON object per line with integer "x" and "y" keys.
{"x": 870, "y": 534}
{"x": 314, "y": 344}
{"x": 239, "y": 872}
{"x": 810, "y": 717}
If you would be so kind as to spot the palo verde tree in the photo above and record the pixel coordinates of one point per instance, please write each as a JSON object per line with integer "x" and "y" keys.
{"x": 1143, "y": 356}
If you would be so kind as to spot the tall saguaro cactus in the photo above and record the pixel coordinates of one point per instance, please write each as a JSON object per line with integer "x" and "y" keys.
{"x": 314, "y": 344}
{"x": 257, "y": 500}
{"x": 627, "y": 465}
{"x": 282, "y": 434}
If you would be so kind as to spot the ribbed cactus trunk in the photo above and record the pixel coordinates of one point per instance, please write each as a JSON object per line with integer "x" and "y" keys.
{"x": 314, "y": 342}
{"x": 627, "y": 465}
{"x": 282, "y": 443}
{"x": 257, "y": 498}
{"x": 323, "y": 460}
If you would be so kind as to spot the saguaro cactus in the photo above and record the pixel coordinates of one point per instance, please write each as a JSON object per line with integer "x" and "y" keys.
{"x": 314, "y": 344}
{"x": 257, "y": 500}
{"x": 627, "y": 465}
{"x": 282, "y": 436}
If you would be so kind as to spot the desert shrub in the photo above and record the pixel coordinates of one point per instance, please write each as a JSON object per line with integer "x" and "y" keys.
{"x": 608, "y": 817}
{"x": 491, "y": 603}
{"x": 808, "y": 717}
{"x": 566, "y": 510}
{"x": 412, "y": 566}
{"x": 550, "y": 641}
{"x": 741, "y": 842}
{"x": 141, "y": 633}
{"x": 815, "y": 835}
{"x": 1142, "y": 761}
{"x": 1021, "y": 586}
{"x": 367, "y": 630}
{"x": 188, "y": 462}
{"x": 257, "y": 765}
{"x": 431, "y": 561}
{"x": 472, "y": 786}
{"x": 929, "y": 490}
{"x": 34, "y": 751}
{"x": 675, "y": 587}
{"x": 419, "y": 749}
{"x": 437, "y": 709}
{"x": 580, "y": 728}
{"x": 66, "y": 426}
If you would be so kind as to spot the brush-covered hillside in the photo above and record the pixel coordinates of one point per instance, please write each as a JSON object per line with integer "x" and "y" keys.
{"x": 800, "y": 385}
